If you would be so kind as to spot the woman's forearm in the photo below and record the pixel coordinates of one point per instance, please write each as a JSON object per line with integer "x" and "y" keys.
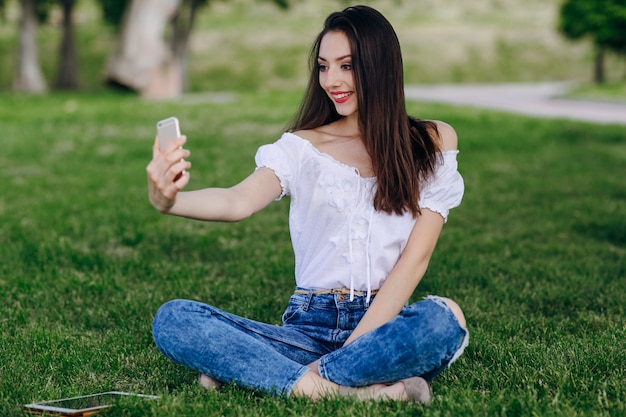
{"x": 405, "y": 276}
{"x": 388, "y": 303}
{"x": 209, "y": 204}
{"x": 229, "y": 204}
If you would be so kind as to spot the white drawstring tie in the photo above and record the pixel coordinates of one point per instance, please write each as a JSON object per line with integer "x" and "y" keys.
{"x": 367, "y": 243}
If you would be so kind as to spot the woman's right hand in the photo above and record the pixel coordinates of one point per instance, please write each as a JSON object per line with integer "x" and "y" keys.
{"x": 167, "y": 173}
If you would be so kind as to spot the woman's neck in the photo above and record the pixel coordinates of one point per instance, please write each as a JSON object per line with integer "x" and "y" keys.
{"x": 347, "y": 126}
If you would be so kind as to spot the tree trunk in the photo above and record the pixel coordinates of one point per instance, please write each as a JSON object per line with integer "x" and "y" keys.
{"x": 183, "y": 25}
{"x": 28, "y": 76}
{"x": 598, "y": 65}
{"x": 67, "y": 77}
{"x": 142, "y": 61}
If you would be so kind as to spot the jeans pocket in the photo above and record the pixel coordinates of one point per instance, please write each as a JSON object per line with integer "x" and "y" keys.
{"x": 297, "y": 303}
{"x": 289, "y": 316}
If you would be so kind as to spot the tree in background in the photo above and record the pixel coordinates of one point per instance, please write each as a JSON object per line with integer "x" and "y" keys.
{"x": 28, "y": 76}
{"x": 143, "y": 59}
{"x": 112, "y": 11}
{"x": 604, "y": 21}
{"x": 67, "y": 72}
{"x": 183, "y": 24}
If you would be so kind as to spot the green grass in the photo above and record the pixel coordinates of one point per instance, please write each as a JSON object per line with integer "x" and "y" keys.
{"x": 535, "y": 256}
{"x": 613, "y": 91}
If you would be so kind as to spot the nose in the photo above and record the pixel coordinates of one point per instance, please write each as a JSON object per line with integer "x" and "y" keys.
{"x": 331, "y": 77}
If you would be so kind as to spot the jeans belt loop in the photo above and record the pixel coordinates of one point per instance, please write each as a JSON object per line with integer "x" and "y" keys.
{"x": 307, "y": 304}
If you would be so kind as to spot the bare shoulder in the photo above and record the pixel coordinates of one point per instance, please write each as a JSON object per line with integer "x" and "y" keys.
{"x": 311, "y": 135}
{"x": 319, "y": 136}
{"x": 447, "y": 134}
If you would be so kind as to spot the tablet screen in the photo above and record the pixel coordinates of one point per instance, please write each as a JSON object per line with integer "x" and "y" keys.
{"x": 81, "y": 406}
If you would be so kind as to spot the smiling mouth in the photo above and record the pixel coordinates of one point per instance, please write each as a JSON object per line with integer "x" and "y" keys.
{"x": 342, "y": 97}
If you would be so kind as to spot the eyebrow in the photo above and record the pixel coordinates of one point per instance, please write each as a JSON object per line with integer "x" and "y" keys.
{"x": 338, "y": 59}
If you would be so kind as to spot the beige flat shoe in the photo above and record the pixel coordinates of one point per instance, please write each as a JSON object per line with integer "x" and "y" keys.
{"x": 209, "y": 383}
{"x": 418, "y": 390}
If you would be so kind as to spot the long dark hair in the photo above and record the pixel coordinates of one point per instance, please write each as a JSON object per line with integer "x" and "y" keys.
{"x": 403, "y": 149}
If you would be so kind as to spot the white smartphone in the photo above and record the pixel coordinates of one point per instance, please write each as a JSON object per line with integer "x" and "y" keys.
{"x": 82, "y": 406}
{"x": 167, "y": 130}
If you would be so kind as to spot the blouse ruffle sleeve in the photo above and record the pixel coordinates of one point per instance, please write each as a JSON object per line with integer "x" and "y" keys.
{"x": 281, "y": 158}
{"x": 444, "y": 190}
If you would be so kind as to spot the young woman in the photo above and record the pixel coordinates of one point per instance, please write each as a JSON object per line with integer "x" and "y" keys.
{"x": 370, "y": 190}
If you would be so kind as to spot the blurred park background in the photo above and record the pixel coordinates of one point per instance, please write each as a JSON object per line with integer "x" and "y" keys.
{"x": 247, "y": 44}
{"x": 534, "y": 254}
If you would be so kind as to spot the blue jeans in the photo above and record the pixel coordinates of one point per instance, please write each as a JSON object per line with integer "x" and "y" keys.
{"x": 422, "y": 340}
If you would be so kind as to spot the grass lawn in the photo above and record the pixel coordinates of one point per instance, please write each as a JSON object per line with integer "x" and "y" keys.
{"x": 535, "y": 256}
{"x": 614, "y": 91}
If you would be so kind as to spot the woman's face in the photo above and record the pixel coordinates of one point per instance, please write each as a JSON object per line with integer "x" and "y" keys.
{"x": 336, "y": 76}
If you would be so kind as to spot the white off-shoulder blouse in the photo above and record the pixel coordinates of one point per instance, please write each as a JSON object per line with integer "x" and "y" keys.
{"x": 339, "y": 240}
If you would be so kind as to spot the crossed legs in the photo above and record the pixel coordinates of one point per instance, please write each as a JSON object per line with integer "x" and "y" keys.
{"x": 198, "y": 336}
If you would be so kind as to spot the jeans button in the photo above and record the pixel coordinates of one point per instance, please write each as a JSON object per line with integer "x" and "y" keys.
{"x": 341, "y": 298}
